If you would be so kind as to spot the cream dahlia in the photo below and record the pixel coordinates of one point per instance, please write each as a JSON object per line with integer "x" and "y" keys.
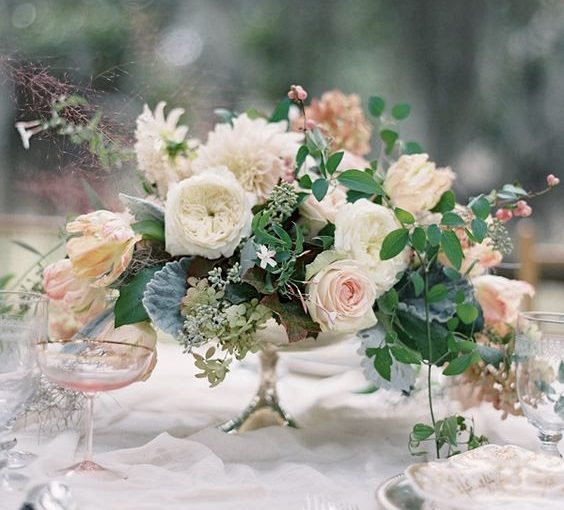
{"x": 256, "y": 151}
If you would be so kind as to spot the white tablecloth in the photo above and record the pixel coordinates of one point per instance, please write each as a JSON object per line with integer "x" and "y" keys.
{"x": 161, "y": 433}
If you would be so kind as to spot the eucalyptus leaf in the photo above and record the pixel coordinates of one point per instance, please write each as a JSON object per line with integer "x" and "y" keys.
{"x": 142, "y": 209}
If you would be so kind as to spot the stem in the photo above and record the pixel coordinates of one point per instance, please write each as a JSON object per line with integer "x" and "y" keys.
{"x": 22, "y": 278}
{"x": 430, "y": 366}
{"x": 89, "y": 417}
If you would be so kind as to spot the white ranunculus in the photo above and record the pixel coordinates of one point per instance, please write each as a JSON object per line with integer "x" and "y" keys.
{"x": 360, "y": 230}
{"x": 341, "y": 296}
{"x": 258, "y": 153}
{"x": 415, "y": 184}
{"x": 207, "y": 215}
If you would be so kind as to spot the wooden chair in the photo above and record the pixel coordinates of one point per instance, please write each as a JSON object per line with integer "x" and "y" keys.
{"x": 537, "y": 259}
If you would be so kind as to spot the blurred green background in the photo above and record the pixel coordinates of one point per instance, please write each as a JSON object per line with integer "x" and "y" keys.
{"x": 484, "y": 78}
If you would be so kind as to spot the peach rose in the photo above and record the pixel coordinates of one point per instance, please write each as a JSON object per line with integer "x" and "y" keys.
{"x": 340, "y": 117}
{"x": 415, "y": 184}
{"x": 478, "y": 258}
{"x": 341, "y": 296}
{"x": 73, "y": 300}
{"x": 74, "y": 293}
{"x": 500, "y": 299}
{"x": 104, "y": 248}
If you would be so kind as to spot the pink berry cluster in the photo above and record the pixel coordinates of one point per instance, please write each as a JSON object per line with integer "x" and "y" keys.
{"x": 522, "y": 208}
{"x": 297, "y": 93}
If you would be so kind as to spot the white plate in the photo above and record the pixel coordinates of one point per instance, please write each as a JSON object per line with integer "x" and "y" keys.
{"x": 490, "y": 478}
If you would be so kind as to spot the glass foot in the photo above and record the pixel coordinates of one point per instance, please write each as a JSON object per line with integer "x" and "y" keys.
{"x": 90, "y": 468}
{"x": 18, "y": 459}
{"x": 549, "y": 443}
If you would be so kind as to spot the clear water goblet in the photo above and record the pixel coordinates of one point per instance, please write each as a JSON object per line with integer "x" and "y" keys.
{"x": 539, "y": 355}
{"x": 92, "y": 366}
{"x": 23, "y": 325}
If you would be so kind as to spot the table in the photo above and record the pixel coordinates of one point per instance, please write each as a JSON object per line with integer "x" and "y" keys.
{"x": 161, "y": 432}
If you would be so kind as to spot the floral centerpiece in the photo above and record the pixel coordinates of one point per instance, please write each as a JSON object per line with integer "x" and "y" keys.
{"x": 280, "y": 218}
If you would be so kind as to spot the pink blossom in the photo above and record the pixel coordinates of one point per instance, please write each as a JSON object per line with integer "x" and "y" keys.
{"x": 552, "y": 180}
{"x": 297, "y": 93}
{"x": 504, "y": 215}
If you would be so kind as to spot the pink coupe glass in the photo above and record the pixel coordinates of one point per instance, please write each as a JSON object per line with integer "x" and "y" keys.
{"x": 93, "y": 366}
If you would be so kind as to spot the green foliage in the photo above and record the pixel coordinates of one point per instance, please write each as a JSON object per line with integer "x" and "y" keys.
{"x": 389, "y": 137}
{"x": 451, "y": 434}
{"x": 404, "y": 216}
{"x": 467, "y": 312}
{"x": 401, "y": 111}
{"x": 150, "y": 229}
{"x": 5, "y": 280}
{"x": 480, "y": 207}
{"x": 281, "y": 111}
{"x": 376, "y": 106}
{"x": 451, "y": 219}
{"x": 452, "y": 248}
{"x": 301, "y": 156}
{"x": 418, "y": 239}
{"x": 394, "y": 243}
{"x": 382, "y": 361}
{"x": 459, "y": 365}
{"x": 412, "y": 148}
{"x": 361, "y": 181}
{"x": 446, "y": 202}
{"x": 333, "y": 162}
{"x": 319, "y": 188}
{"x": 129, "y": 307}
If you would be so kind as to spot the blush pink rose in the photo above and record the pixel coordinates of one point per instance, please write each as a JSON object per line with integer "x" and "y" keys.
{"x": 341, "y": 296}
{"x": 500, "y": 299}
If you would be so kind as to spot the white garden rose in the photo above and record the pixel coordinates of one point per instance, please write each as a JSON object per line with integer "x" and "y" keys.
{"x": 316, "y": 214}
{"x": 415, "y": 184}
{"x": 207, "y": 215}
{"x": 360, "y": 230}
{"x": 341, "y": 296}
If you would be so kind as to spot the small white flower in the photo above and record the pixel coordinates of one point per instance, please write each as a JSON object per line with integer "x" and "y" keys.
{"x": 26, "y": 133}
{"x": 266, "y": 257}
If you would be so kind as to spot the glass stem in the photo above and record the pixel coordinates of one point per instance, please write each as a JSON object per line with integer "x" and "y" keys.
{"x": 549, "y": 443}
{"x": 89, "y": 422}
